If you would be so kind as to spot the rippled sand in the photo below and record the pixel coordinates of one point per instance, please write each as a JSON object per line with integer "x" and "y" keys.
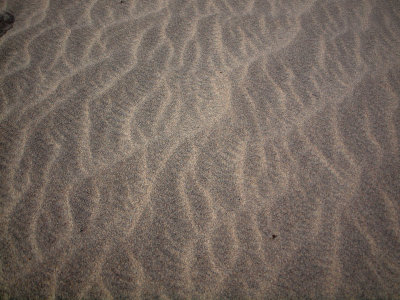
{"x": 200, "y": 149}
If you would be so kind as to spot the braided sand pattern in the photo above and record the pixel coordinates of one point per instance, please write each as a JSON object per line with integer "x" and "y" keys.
{"x": 200, "y": 149}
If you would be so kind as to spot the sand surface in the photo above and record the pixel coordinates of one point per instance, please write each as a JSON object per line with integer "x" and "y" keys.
{"x": 200, "y": 149}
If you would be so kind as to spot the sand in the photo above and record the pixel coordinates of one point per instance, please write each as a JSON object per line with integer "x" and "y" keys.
{"x": 200, "y": 149}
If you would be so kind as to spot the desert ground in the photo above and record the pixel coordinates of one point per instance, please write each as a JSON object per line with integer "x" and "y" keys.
{"x": 200, "y": 149}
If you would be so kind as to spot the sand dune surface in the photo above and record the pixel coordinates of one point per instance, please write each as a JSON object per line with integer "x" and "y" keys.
{"x": 199, "y": 149}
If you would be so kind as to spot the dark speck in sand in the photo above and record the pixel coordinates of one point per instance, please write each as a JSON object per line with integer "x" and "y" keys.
{"x": 274, "y": 236}
{"x": 6, "y": 22}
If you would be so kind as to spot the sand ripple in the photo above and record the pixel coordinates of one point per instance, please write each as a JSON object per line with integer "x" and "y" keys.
{"x": 200, "y": 149}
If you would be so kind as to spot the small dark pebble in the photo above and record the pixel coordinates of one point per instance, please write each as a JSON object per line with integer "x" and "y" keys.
{"x": 6, "y": 22}
{"x": 274, "y": 236}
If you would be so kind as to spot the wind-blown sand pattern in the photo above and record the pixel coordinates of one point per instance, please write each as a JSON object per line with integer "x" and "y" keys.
{"x": 200, "y": 149}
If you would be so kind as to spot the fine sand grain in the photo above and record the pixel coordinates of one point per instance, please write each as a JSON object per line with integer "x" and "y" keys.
{"x": 200, "y": 149}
